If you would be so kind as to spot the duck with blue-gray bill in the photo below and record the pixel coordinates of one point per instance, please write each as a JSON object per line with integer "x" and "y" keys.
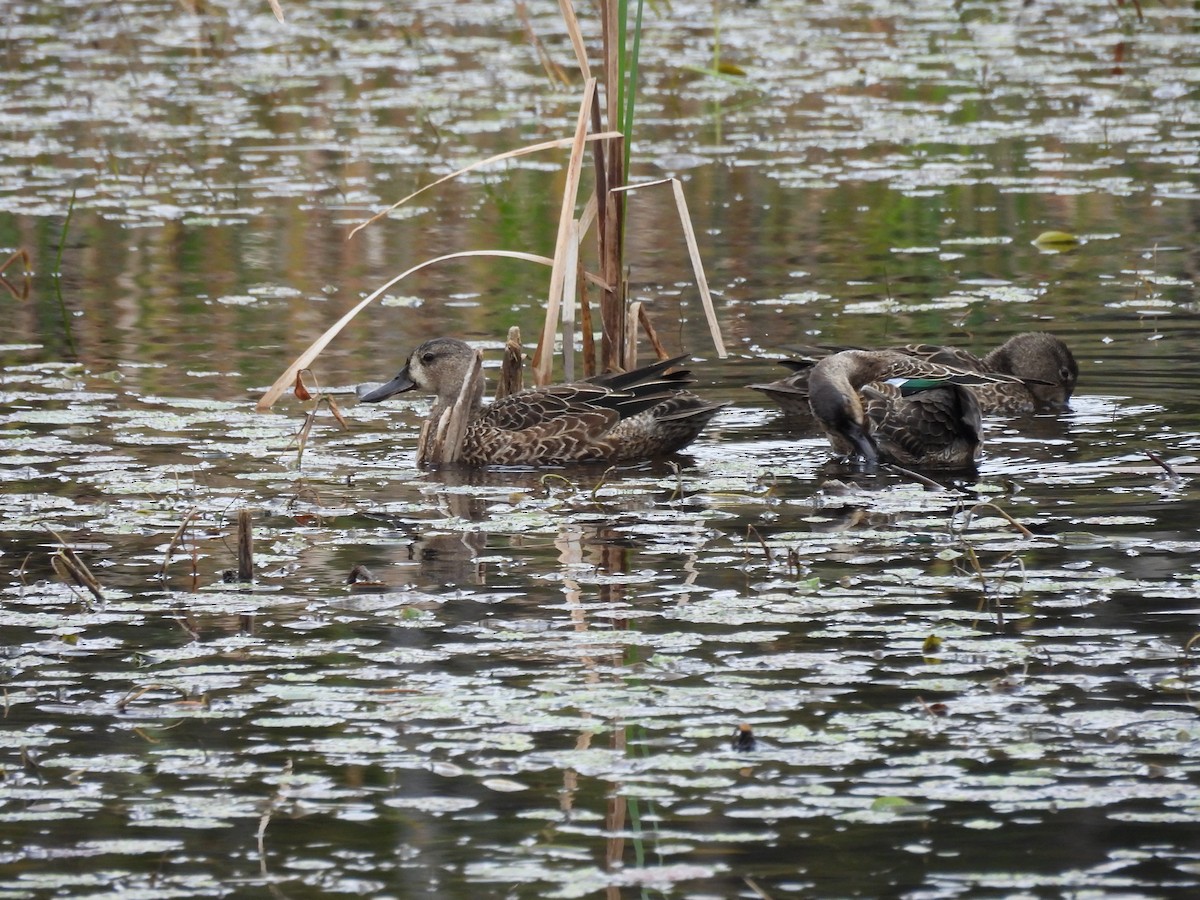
{"x": 614, "y": 418}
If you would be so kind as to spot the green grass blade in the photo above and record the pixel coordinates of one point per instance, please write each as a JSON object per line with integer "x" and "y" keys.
{"x": 631, "y": 80}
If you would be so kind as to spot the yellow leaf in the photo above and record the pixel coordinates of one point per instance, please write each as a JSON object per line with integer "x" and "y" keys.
{"x": 1056, "y": 237}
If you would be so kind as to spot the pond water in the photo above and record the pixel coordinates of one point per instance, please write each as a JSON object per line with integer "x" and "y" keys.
{"x": 538, "y": 696}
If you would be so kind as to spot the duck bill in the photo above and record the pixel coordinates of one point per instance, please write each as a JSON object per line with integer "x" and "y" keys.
{"x": 397, "y": 385}
{"x": 863, "y": 444}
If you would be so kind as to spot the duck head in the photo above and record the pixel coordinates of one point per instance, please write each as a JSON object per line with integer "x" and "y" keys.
{"x": 1042, "y": 359}
{"x": 440, "y": 367}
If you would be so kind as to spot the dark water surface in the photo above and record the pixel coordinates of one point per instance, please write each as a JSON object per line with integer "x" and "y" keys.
{"x": 539, "y": 699}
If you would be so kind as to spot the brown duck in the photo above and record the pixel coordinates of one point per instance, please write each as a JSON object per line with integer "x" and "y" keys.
{"x": 624, "y": 417}
{"x": 890, "y": 406}
{"x": 1043, "y": 363}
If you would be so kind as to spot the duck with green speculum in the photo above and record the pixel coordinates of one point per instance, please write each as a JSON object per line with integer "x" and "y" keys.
{"x": 887, "y": 406}
{"x": 1043, "y": 365}
{"x": 614, "y": 418}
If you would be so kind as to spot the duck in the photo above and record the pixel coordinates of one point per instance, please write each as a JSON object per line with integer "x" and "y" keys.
{"x": 1042, "y": 362}
{"x": 887, "y": 406}
{"x": 621, "y": 417}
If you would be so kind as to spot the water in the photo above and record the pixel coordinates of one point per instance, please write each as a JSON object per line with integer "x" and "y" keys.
{"x": 538, "y": 697}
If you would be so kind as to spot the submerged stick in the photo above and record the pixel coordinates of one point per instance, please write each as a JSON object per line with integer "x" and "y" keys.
{"x": 27, "y": 281}
{"x": 928, "y": 483}
{"x": 1166, "y": 466}
{"x": 750, "y": 529}
{"x": 68, "y": 564}
{"x": 245, "y": 546}
{"x": 176, "y": 539}
{"x": 1025, "y": 532}
{"x": 22, "y": 255}
{"x": 272, "y": 804}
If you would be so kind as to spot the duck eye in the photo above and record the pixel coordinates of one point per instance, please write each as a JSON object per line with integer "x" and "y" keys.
{"x": 428, "y": 356}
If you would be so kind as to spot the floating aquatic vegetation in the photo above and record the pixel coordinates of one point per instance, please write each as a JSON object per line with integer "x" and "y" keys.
{"x": 538, "y": 690}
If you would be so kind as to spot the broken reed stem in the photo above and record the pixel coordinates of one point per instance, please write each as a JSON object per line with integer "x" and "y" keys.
{"x": 651, "y": 335}
{"x": 274, "y": 803}
{"x": 612, "y": 301}
{"x": 599, "y": 137}
{"x": 552, "y": 69}
{"x": 610, "y": 175}
{"x": 245, "y": 546}
{"x": 176, "y": 540}
{"x": 137, "y": 692}
{"x": 631, "y": 346}
{"x": 751, "y": 530}
{"x": 679, "y": 493}
{"x": 576, "y": 36}
{"x": 22, "y": 255}
{"x": 693, "y": 247}
{"x": 928, "y": 483}
{"x": 1025, "y": 532}
{"x": 24, "y": 566}
{"x": 1187, "y": 651}
{"x": 511, "y": 372}
{"x": 1166, "y": 466}
{"x": 976, "y": 567}
{"x": 67, "y": 564}
{"x": 301, "y": 438}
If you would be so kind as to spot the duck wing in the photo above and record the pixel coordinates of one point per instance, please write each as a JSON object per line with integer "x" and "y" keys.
{"x": 913, "y": 374}
{"x": 938, "y": 355}
{"x": 619, "y": 381}
{"x": 593, "y": 406}
{"x": 937, "y": 427}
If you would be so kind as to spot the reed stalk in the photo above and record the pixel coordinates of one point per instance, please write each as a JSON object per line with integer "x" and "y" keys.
{"x": 611, "y": 147}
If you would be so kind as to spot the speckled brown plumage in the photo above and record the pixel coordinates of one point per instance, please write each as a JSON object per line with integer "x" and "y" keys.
{"x": 791, "y": 392}
{"x": 1044, "y": 364}
{"x": 623, "y": 417}
{"x": 931, "y": 421}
